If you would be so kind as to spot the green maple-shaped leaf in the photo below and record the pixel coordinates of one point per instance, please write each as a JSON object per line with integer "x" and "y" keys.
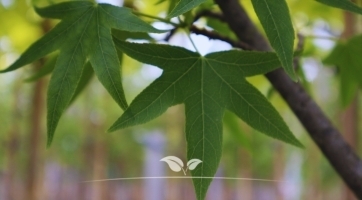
{"x": 349, "y": 62}
{"x": 343, "y": 4}
{"x": 207, "y": 86}
{"x": 183, "y": 6}
{"x": 275, "y": 18}
{"x": 83, "y": 34}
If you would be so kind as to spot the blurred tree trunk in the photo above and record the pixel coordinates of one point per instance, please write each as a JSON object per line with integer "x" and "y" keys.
{"x": 350, "y": 128}
{"x": 87, "y": 148}
{"x": 97, "y": 155}
{"x": 349, "y": 116}
{"x": 245, "y": 188}
{"x": 13, "y": 148}
{"x": 34, "y": 163}
{"x": 100, "y": 165}
{"x": 94, "y": 153}
{"x": 315, "y": 180}
{"x": 278, "y": 169}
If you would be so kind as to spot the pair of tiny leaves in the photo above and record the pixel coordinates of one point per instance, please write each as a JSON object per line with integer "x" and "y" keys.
{"x": 83, "y": 34}
{"x": 207, "y": 86}
{"x": 177, "y": 165}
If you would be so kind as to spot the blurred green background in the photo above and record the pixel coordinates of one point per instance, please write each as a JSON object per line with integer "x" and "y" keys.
{"x": 82, "y": 150}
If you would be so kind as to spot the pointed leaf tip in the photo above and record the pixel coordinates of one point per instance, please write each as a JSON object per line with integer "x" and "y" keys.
{"x": 112, "y": 129}
{"x": 49, "y": 141}
{"x": 276, "y": 21}
{"x": 293, "y": 76}
{"x": 184, "y": 6}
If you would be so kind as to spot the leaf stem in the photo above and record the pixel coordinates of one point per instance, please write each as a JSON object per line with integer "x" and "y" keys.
{"x": 155, "y": 17}
{"x": 188, "y": 32}
{"x": 184, "y": 171}
{"x": 192, "y": 42}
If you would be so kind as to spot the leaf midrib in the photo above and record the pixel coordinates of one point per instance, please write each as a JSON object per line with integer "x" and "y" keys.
{"x": 105, "y": 11}
{"x": 241, "y": 64}
{"x": 279, "y": 38}
{"x": 60, "y": 33}
{"x": 73, "y": 8}
{"x": 159, "y": 57}
{"x": 173, "y": 83}
{"x": 203, "y": 122}
{"x": 105, "y": 62}
{"x": 70, "y": 60}
{"x": 251, "y": 105}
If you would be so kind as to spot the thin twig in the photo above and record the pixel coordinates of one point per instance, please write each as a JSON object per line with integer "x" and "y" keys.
{"x": 208, "y": 13}
{"x": 170, "y": 34}
{"x": 156, "y": 18}
{"x": 192, "y": 42}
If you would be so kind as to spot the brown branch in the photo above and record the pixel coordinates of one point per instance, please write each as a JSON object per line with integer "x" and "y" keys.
{"x": 216, "y": 36}
{"x": 341, "y": 156}
{"x": 204, "y": 13}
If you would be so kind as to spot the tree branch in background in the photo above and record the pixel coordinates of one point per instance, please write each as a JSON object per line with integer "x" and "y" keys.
{"x": 341, "y": 156}
{"x": 216, "y": 36}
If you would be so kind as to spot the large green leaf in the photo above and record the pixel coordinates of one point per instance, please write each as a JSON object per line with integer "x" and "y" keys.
{"x": 207, "y": 86}
{"x": 183, "y": 6}
{"x": 343, "y": 4}
{"x": 349, "y": 62}
{"x": 275, "y": 19}
{"x": 83, "y": 34}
